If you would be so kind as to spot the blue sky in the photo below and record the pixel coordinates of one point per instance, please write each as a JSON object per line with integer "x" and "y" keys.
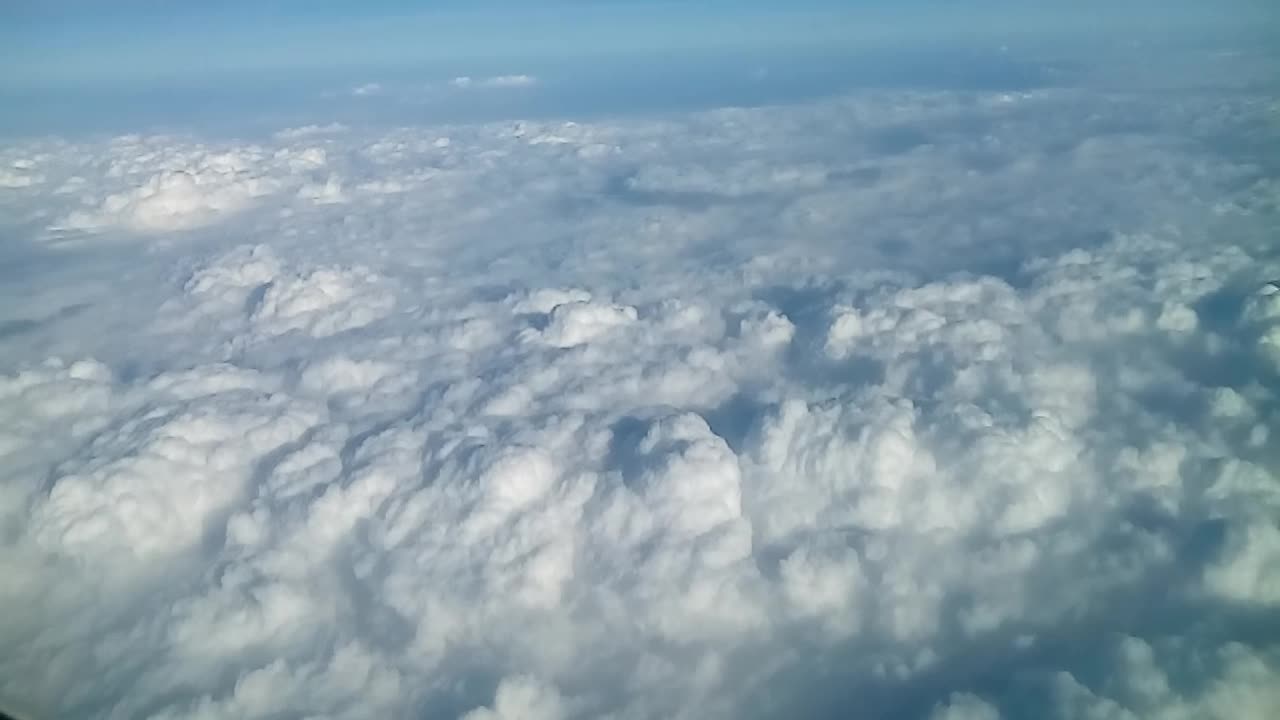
{"x": 132, "y": 43}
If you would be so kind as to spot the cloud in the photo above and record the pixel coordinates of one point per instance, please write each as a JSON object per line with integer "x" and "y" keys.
{"x": 181, "y": 187}
{"x": 1144, "y": 681}
{"x": 251, "y": 288}
{"x": 744, "y": 413}
{"x": 149, "y": 489}
{"x": 738, "y": 181}
{"x": 496, "y": 81}
{"x": 521, "y": 697}
{"x": 170, "y": 200}
{"x": 308, "y": 131}
{"x": 20, "y": 174}
{"x": 963, "y": 706}
{"x": 576, "y": 323}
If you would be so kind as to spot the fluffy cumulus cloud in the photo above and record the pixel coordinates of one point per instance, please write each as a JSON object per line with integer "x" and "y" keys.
{"x": 951, "y": 405}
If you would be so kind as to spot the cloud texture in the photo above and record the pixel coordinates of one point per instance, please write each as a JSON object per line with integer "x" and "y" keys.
{"x": 945, "y": 405}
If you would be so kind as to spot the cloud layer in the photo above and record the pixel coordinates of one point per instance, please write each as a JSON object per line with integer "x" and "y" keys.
{"x": 948, "y": 405}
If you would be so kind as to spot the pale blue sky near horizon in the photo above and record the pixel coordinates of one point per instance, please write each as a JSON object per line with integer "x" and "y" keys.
{"x": 68, "y": 43}
{"x": 77, "y": 65}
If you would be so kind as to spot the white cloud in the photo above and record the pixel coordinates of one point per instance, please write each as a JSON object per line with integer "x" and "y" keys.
{"x": 323, "y": 302}
{"x": 575, "y": 323}
{"x": 158, "y": 186}
{"x": 724, "y": 414}
{"x": 171, "y": 200}
{"x": 496, "y": 81}
{"x": 524, "y": 698}
{"x": 19, "y": 176}
{"x": 1238, "y": 682}
{"x": 327, "y": 193}
{"x": 1249, "y": 572}
{"x": 309, "y": 131}
{"x": 742, "y": 180}
{"x": 248, "y": 287}
{"x": 151, "y": 485}
{"x": 963, "y": 706}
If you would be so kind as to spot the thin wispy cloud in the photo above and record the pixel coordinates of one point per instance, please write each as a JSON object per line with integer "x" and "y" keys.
{"x": 497, "y": 81}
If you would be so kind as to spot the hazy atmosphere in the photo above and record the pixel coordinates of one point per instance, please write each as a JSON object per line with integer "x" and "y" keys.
{"x": 707, "y": 360}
